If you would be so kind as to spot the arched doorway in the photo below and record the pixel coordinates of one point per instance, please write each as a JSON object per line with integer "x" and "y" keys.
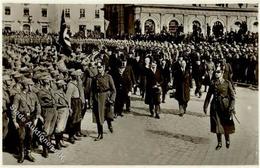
{"x": 236, "y": 26}
{"x": 196, "y": 28}
{"x": 218, "y": 29}
{"x": 149, "y": 26}
{"x": 8, "y": 28}
{"x": 173, "y": 26}
{"x": 26, "y": 28}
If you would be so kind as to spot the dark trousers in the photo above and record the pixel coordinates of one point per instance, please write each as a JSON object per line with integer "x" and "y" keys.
{"x": 128, "y": 103}
{"x": 219, "y": 137}
{"x": 25, "y": 138}
{"x": 74, "y": 120}
{"x": 182, "y": 106}
{"x": 121, "y": 99}
{"x": 198, "y": 83}
{"x": 154, "y": 108}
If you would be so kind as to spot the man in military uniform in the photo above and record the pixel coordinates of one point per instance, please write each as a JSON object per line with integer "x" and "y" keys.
{"x": 6, "y": 103}
{"x": 25, "y": 109}
{"x": 104, "y": 93}
{"x": 63, "y": 113}
{"x": 49, "y": 111}
{"x": 75, "y": 97}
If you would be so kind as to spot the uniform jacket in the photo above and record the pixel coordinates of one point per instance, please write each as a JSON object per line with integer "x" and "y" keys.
{"x": 223, "y": 100}
{"x": 104, "y": 92}
{"x": 25, "y": 103}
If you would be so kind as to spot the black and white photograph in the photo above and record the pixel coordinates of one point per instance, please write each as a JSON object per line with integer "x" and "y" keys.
{"x": 90, "y": 83}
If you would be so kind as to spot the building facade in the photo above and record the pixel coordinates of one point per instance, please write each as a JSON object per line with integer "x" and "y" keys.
{"x": 45, "y": 18}
{"x": 154, "y": 18}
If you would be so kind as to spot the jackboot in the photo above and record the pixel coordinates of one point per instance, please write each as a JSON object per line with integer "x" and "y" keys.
{"x": 110, "y": 127}
{"x": 29, "y": 156}
{"x": 21, "y": 156}
{"x": 45, "y": 152}
{"x": 100, "y": 133}
{"x": 57, "y": 141}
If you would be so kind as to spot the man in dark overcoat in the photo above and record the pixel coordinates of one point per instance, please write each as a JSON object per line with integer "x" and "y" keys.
{"x": 182, "y": 85}
{"x": 166, "y": 73}
{"x": 154, "y": 81}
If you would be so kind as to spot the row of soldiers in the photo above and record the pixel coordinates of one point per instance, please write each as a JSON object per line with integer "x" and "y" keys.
{"x": 39, "y": 94}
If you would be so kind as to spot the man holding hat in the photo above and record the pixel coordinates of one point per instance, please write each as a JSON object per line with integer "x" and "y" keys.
{"x": 25, "y": 109}
{"x": 154, "y": 81}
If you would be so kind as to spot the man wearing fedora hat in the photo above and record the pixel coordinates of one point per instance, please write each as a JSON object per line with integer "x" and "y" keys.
{"x": 26, "y": 108}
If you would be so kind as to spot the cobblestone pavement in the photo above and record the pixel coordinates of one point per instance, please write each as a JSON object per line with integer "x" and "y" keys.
{"x": 172, "y": 140}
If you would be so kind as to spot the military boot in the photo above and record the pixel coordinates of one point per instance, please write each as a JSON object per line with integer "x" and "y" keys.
{"x": 45, "y": 152}
{"x": 21, "y": 156}
{"x": 29, "y": 156}
{"x": 57, "y": 141}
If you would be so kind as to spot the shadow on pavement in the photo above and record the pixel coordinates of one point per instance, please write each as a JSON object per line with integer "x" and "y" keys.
{"x": 139, "y": 114}
{"x": 136, "y": 99}
{"x": 196, "y": 99}
{"x": 167, "y": 111}
{"x": 189, "y": 138}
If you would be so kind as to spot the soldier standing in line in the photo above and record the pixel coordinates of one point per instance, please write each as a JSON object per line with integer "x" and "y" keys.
{"x": 49, "y": 111}
{"x": 104, "y": 94}
{"x": 63, "y": 113}
{"x": 26, "y": 108}
{"x": 6, "y": 103}
{"x": 75, "y": 103}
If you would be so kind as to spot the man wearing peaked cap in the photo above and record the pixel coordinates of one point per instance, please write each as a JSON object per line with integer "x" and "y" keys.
{"x": 77, "y": 73}
{"x": 26, "y": 103}
{"x": 48, "y": 107}
{"x": 63, "y": 113}
{"x": 76, "y": 101}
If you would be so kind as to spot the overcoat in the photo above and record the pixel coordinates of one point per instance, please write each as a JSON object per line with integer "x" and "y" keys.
{"x": 104, "y": 94}
{"x": 152, "y": 95}
{"x": 221, "y": 120}
{"x": 182, "y": 85}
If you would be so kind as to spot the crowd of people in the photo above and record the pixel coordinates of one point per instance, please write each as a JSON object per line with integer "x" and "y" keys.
{"x": 53, "y": 90}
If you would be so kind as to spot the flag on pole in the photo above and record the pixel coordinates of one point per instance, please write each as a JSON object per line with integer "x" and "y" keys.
{"x": 64, "y": 39}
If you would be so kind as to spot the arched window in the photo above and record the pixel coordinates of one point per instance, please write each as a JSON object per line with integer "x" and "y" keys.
{"x": 149, "y": 26}
{"x": 26, "y": 28}
{"x": 173, "y": 26}
{"x": 236, "y": 26}
{"x": 218, "y": 29}
{"x": 196, "y": 28}
{"x": 8, "y": 28}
